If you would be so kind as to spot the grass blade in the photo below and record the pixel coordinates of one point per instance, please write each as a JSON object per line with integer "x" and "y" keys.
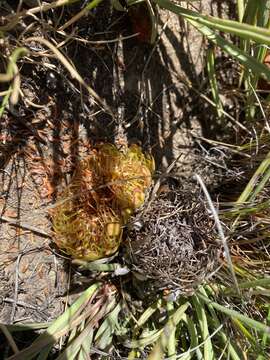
{"x": 71, "y": 69}
{"x": 235, "y": 314}
{"x": 249, "y": 193}
{"x": 240, "y": 9}
{"x": 166, "y": 334}
{"x": 223, "y": 336}
{"x": 204, "y": 27}
{"x": 258, "y": 34}
{"x": 213, "y": 81}
{"x": 202, "y": 318}
{"x": 62, "y": 322}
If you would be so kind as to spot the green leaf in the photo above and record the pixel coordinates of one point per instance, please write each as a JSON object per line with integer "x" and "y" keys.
{"x": 222, "y": 334}
{"x": 148, "y": 338}
{"x": 148, "y": 313}
{"x": 204, "y": 27}
{"x": 107, "y": 329}
{"x": 258, "y": 34}
{"x": 202, "y": 317}
{"x": 252, "y": 189}
{"x": 213, "y": 81}
{"x": 61, "y": 324}
{"x": 256, "y": 325}
{"x": 167, "y": 332}
{"x": 117, "y": 5}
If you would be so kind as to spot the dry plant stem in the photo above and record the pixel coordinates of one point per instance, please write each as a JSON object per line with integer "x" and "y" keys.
{"x": 15, "y": 289}
{"x": 189, "y": 85}
{"x": 61, "y": 341}
{"x": 25, "y": 226}
{"x": 20, "y": 303}
{"x": 73, "y": 72}
{"x": 72, "y": 197}
{"x": 83, "y": 12}
{"x": 143, "y": 77}
{"x": 97, "y": 42}
{"x": 91, "y": 312}
{"x": 46, "y": 7}
{"x": 90, "y": 323}
{"x": 230, "y": 147}
{"x": 220, "y": 231}
{"x": 232, "y": 119}
{"x": 158, "y": 183}
{"x": 14, "y": 19}
{"x": 9, "y": 338}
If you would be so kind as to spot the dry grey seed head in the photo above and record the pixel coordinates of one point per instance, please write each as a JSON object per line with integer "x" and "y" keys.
{"x": 175, "y": 249}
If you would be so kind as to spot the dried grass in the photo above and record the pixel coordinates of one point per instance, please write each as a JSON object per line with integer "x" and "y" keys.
{"x": 176, "y": 247}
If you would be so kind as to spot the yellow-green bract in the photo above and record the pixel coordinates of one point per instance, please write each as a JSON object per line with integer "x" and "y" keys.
{"x": 106, "y": 189}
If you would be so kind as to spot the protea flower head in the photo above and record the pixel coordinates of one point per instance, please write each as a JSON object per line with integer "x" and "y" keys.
{"x": 128, "y": 173}
{"x": 106, "y": 188}
{"x": 86, "y": 235}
